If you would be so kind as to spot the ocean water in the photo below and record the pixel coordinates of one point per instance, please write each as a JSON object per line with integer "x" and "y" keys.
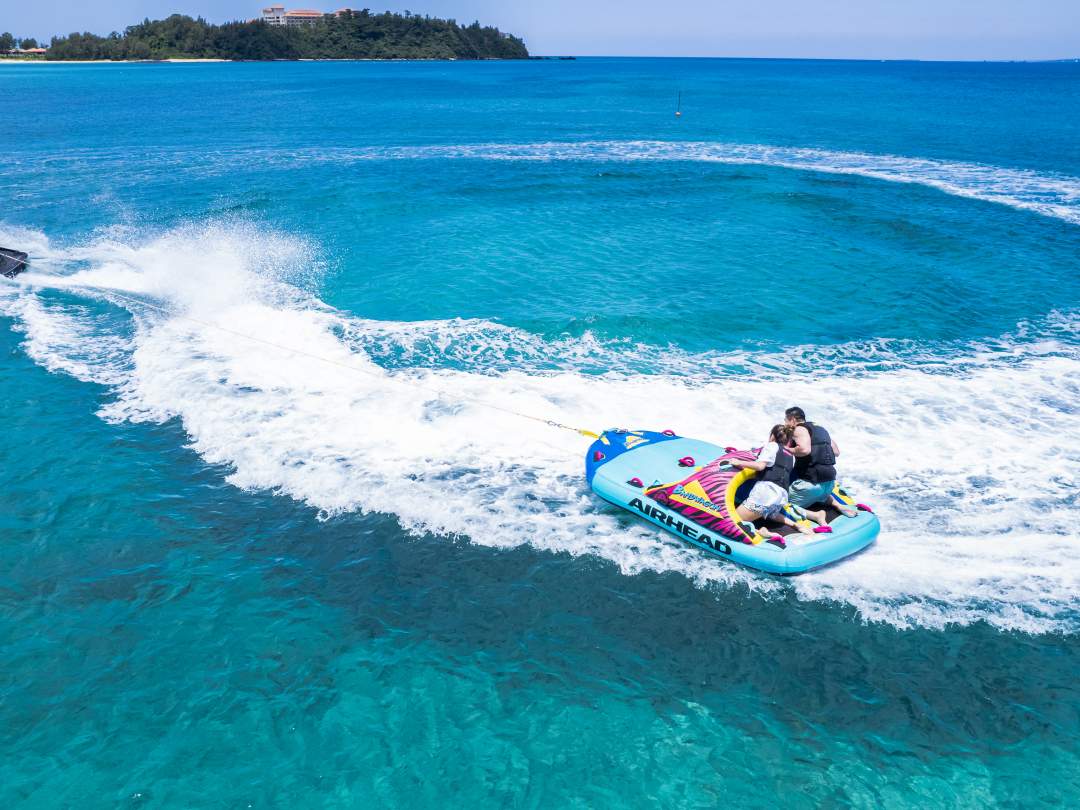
{"x": 272, "y": 538}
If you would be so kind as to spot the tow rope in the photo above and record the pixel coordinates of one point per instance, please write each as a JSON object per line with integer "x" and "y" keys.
{"x": 482, "y": 403}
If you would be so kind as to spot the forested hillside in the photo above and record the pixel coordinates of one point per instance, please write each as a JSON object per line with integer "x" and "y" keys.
{"x": 358, "y": 35}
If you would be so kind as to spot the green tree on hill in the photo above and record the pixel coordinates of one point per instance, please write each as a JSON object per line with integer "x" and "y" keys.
{"x": 357, "y": 35}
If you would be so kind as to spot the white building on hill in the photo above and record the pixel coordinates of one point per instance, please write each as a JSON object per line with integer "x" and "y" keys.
{"x": 277, "y": 15}
{"x": 274, "y": 15}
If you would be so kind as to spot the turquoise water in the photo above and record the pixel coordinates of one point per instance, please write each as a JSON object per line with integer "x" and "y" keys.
{"x": 233, "y": 574}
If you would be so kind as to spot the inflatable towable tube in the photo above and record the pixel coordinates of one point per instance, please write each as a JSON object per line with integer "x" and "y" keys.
{"x": 689, "y": 488}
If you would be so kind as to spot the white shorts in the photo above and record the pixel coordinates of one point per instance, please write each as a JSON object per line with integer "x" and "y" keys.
{"x": 766, "y": 499}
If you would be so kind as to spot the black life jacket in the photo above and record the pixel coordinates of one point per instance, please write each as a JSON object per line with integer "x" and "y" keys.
{"x": 820, "y": 465}
{"x": 780, "y": 471}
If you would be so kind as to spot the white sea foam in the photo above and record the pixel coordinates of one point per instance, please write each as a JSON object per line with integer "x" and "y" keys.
{"x": 485, "y": 346}
{"x": 974, "y": 474}
{"x": 1052, "y": 195}
{"x": 1046, "y": 193}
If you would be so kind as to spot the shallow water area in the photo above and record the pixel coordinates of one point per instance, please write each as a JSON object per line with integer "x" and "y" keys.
{"x": 273, "y": 534}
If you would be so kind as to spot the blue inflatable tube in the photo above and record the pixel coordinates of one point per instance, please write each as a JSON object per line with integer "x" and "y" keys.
{"x": 689, "y": 488}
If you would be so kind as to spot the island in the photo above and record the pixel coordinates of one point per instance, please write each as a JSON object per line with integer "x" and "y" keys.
{"x": 343, "y": 34}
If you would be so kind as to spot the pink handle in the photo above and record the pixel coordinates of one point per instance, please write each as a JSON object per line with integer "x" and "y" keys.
{"x": 668, "y": 432}
{"x": 823, "y": 530}
{"x": 863, "y": 507}
{"x": 636, "y": 482}
{"x": 730, "y": 449}
{"x": 686, "y": 461}
{"x": 598, "y": 456}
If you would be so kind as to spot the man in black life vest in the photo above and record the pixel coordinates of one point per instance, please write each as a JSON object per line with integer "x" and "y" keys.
{"x": 815, "y": 463}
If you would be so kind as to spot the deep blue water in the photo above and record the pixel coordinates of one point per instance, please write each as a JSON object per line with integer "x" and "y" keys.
{"x": 233, "y": 573}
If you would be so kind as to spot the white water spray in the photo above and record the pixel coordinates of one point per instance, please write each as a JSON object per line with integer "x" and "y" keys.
{"x": 970, "y": 472}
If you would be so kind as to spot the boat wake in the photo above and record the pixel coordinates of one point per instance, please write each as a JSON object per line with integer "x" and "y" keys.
{"x": 972, "y": 471}
{"x": 1051, "y": 195}
{"x": 1045, "y": 193}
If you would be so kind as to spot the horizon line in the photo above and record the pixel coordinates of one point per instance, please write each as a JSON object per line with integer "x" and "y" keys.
{"x": 1003, "y": 60}
{"x": 572, "y": 56}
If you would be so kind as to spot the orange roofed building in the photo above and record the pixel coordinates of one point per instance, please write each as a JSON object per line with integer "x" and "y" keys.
{"x": 302, "y": 16}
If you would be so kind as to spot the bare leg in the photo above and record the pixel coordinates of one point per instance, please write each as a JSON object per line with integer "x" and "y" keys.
{"x": 844, "y": 509}
{"x": 746, "y": 513}
{"x": 819, "y": 517}
{"x": 746, "y": 517}
{"x": 775, "y": 537}
{"x": 802, "y": 527}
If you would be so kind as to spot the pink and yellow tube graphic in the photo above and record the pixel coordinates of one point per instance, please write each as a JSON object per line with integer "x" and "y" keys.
{"x": 707, "y": 497}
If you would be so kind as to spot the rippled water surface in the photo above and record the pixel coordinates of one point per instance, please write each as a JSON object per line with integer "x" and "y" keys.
{"x": 267, "y": 543}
